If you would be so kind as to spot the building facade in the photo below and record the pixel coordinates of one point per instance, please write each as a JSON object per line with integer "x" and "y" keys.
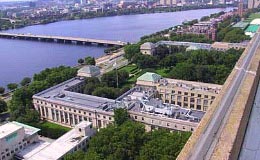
{"x": 15, "y": 137}
{"x": 155, "y": 101}
{"x": 188, "y": 94}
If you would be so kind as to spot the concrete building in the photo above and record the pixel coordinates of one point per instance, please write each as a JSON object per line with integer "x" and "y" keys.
{"x": 14, "y": 137}
{"x": 188, "y": 94}
{"x": 253, "y": 4}
{"x": 89, "y": 71}
{"x": 65, "y": 105}
{"x": 148, "y": 48}
{"x": 74, "y": 140}
{"x": 223, "y": 46}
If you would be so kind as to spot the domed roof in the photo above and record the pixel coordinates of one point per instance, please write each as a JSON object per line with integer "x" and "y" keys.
{"x": 147, "y": 45}
{"x": 89, "y": 69}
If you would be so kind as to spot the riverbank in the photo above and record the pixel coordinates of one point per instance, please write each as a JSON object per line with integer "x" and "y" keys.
{"x": 107, "y": 13}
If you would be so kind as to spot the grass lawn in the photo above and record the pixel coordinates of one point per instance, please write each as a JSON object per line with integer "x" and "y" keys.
{"x": 54, "y": 126}
{"x": 252, "y": 16}
{"x": 129, "y": 68}
{"x": 162, "y": 71}
{"x": 51, "y": 130}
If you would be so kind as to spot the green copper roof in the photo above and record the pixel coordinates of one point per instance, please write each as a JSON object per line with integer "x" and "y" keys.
{"x": 149, "y": 76}
{"x": 252, "y": 28}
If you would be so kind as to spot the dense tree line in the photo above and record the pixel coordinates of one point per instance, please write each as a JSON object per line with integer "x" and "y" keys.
{"x": 21, "y": 107}
{"x": 3, "y": 106}
{"x": 197, "y": 65}
{"x": 109, "y": 85}
{"x": 127, "y": 140}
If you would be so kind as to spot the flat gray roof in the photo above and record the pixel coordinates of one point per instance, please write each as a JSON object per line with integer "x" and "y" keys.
{"x": 61, "y": 95}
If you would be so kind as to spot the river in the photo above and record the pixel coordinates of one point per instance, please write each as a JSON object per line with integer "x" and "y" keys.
{"x": 19, "y": 58}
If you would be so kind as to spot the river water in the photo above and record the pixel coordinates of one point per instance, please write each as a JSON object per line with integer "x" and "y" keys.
{"x": 20, "y": 58}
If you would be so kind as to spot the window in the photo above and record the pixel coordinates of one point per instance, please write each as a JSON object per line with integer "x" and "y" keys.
{"x": 213, "y": 97}
{"x": 135, "y": 117}
{"x": 191, "y": 129}
{"x": 199, "y": 95}
{"x": 206, "y": 96}
{"x": 198, "y": 107}
{"x": 74, "y": 110}
{"x": 191, "y": 106}
{"x": 109, "y": 118}
{"x": 168, "y": 124}
{"x": 89, "y": 114}
{"x": 104, "y": 117}
{"x": 143, "y": 118}
{"x": 84, "y": 112}
{"x": 186, "y": 93}
{"x": 191, "y": 99}
{"x": 179, "y": 92}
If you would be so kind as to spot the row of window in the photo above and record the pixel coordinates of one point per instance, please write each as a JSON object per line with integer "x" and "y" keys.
{"x": 187, "y": 94}
{"x": 73, "y": 110}
{"x": 168, "y": 125}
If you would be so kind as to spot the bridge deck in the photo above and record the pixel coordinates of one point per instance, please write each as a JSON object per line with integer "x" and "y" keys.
{"x": 110, "y": 42}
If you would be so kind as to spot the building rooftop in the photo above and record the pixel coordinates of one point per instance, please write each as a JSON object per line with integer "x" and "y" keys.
{"x": 255, "y": 21}
{"x": 62, "y": 145}
{"x": 241, "y": 25}
{"x": 147, "y": 45}
{"x": 8, "y": 129}
{"x": 142, "y": 100}
{"x": 252, "y": 28}
{"x": 12, "y": 127}
{"x": 60, "y": 94}
{"x": 150, "y": 77}
{"x": 29, "y": 130}
{"x": 89, "y": 69}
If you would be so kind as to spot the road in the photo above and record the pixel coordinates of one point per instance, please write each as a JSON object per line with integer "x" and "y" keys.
{"x": 204, "y": 147}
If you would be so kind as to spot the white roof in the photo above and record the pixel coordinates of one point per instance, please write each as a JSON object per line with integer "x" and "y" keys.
{"x": 256, "y": 21}
{"x": 89, "y": 69}
{"x": 62, "y": 145}
{"x": 147, "y": 45}
{"x": 8, "y": 128}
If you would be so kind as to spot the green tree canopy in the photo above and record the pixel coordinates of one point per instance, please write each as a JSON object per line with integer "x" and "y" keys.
{"x": 12, "y": 86}
{"x": 2, "y": 90}
{"x": 120, "y": 116}
{"x": 90, "y": 61}
{"x": 3, "y": 106}
{"x": 25, "y": 81}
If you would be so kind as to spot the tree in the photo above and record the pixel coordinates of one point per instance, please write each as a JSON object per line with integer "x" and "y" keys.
{"x": 25, "y": 81}
{"x": 120, "y": 116}
{"x": 90, "y": 61}
{"x": 107, "y": 92}
{"x": 80, "y": 61}
{"x": 163, "y": 145}
{"x": 2, "y": 90}
{"x": 131, "y": 50}
{"x": 12, "y": 86}
{"x": 3, "y": 106}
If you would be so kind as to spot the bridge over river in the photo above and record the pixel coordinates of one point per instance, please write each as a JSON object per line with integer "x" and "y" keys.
{"x": 61, "y": 39}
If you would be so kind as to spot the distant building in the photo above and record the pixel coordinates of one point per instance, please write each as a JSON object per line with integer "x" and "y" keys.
{"x": 74, "y": 140}
{"x": 188, "y": 94}
{"x": 223, "y": 46}
{"x": 253, "y": 4}
{"x": 148, "y": 48}
{"x": 89, "y": 71}
{"x": 253, "y": 27}
{"x": 15, "y": 137}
